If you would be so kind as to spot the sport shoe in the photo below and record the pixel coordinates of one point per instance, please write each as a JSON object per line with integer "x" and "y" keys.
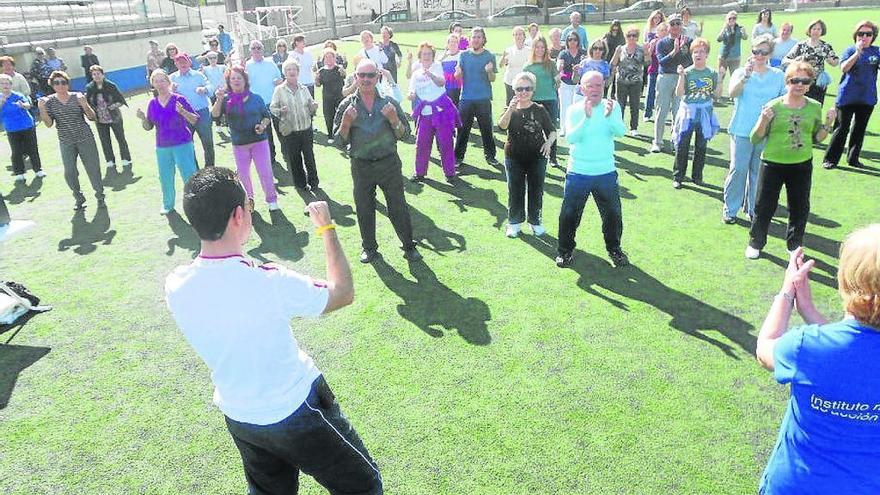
{"x": 165, "y": 211}
{"x": 412, "y": 254}
{"x": 728, "y": 220}
{"x": 513, "y": 230}
{"x": 676, "y": 184}
{"x": 329, "y": 141}
{"x": 649, "y": 118}
{"x": 273, "y": 206}
{"x": 367, "y": 255}
{"x": 40, "y": 174}
{"x": 618, "y": 258}
{"x": 493, "y": 162}
{"x": 538, "y": 229}
{"x": 563, "y": 260}
{"x": 633, "y": 133}
{"x": 417, "y": 178}
{"x": 452, "y": 179}
{"x": 111, "y": 165}
{"x": 655, "y": 148}
{"x": 19, "y": 178}
{"x": 125, "y": 163}
{"x": 829, "y": 165}
{"x": 752, "y": 253}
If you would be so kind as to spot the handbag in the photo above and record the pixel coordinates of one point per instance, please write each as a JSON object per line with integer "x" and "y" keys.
{"x": 15, "y": 301}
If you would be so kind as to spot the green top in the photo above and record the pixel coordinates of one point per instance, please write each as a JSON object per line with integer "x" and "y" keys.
{"x": 546, "y": 87}
{"x": 699, "y": 85}
{"x": 790, "y": 134}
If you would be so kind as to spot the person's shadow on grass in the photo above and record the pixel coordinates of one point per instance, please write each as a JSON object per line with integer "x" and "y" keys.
{"x": 13, "y": 360}
{"x": 434, "y": 307}
{"x": 184, "y": 235}
{"x": 689, "y": 315}
{"x": 279, "y": 237}
{"x": 85, "y": 235}
{"x": 22, "y": 192}
{"x": 117, "y": 181}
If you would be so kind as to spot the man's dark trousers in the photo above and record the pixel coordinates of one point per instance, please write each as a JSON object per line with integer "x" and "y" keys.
{"x": 386, "y": 174}
{"x": 606, "y": 192}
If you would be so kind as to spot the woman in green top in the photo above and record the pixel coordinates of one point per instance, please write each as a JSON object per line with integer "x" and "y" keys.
{"x": 542, "y": 66}
{"x": 791, "y": 124}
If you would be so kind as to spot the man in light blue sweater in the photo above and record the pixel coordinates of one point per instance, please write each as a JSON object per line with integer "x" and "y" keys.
{"x": 590, "y": 127}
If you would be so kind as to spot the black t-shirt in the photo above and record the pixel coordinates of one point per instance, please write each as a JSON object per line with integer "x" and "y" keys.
{"x": 527, "y": 132}
{"x": 332, "y": 81}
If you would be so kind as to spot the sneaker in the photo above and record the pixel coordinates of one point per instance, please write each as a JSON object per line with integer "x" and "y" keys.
{"x": 728, "y": 220}
{"x": 40, "y": 174}
{"x": 563, "y": 260}
{"x": 555, "y": 164}
{"x": 452, "y": 179}
{"x": 513, "y": 230}
{"x": 126, "y": 163}
{"x": 492, "y": 161}
{"x": 649, "y": 118}
{"x": 412, "y": 254}
{"x": 111, "y": 165}
{"x": 417, "y": 178}
{"x": 655, "y": 148}
{"x": 19, "y": 178}
{"x": 273, "y": 206}
{"x": 538, "y": 229}
{"x": 165, "y": 211}
{"x": 698, "y": 182}
{"x": 752, "y": 253}
{"x": 829, "y": 165}
{"x": 368, "y": 255}
{"x": 618, "y": 258}
{"x": 676, "y": 184}
{"x": 857, "y": 164}
{"x": 329, "y": 141}
{"x": 633, "y": 133}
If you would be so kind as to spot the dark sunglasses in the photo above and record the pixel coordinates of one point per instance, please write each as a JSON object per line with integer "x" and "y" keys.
{"x": 59, "y": 82}
{"x": 800, "y": 80}
{"x": 761, "y": 52}
{"x": 675, "y": 23}
{"x": 213, "y": 43}
{"x": 522, "y": 89}
{"x": 366, "y": 75}
{"x": 632, "y": 35}
{"x": 865, "y": 34}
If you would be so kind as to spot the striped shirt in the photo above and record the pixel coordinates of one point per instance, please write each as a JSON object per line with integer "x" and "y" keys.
{"x": 69, "y": 119}
{"x": 298, "y": 102}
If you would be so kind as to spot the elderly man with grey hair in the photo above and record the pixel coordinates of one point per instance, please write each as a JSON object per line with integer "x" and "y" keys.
{"x": 575, "y": 26}
{"x": 591, "y": 125}
{"x": 263, "y": 76}
{"x": 370, "y": 124}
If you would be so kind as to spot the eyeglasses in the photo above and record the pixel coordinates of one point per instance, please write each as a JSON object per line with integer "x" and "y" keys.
{"x": 675, "y": 23}
{"x": 213, "y": 43}
{"x": 523, "y": 89}
{"x": 761, "y": 52}
{"x": 59, "y": 82}
{"x": 257, "y": 49}
{"x": 865, "y": 34}
{"x": 800, "y": 80}
{"x": 366, "y": 75}
{"x": 632, "y": 35}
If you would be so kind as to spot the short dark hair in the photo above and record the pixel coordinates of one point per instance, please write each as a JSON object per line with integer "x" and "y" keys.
{"x": 298, "y": 38}
{"x": 821, "y": 23}
{"x": 868, "y": 24}
{"x": 209, "y": 198}
{"x": 96, "y": 67}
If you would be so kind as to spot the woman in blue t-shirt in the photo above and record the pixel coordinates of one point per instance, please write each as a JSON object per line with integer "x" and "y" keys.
{"x": 828, "y": 439}
{"x": 856, "y": 95}
{"x": 21, "y": 130}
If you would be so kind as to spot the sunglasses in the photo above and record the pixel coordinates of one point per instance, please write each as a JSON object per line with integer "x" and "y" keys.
{"x": 761, "y": 52}
{"x": 257, "y": 49}
{"x": 800, "y": 80}
{"x": 675, "y": 23}
{"x": 865, "y": 34}
{"x": 59, "y": 82}
{"x": 212, "y": 43}
{"x": 366, "y": 75}
{"x": 632, "y": 35}
{"x": 522, "y": 89}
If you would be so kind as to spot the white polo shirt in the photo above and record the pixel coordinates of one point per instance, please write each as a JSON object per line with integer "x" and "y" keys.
{"x": 236, "y": 315}
{"x": 424, "y": 87}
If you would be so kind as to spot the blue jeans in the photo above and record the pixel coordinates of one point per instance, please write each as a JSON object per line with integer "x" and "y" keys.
{"x": 205, "y": 129}
{"x": 741, "y": 184}
{"x": 651, "y": 96}
{"x": 316, "y": 439}
{"x": 525, "y": 176}
{"x": 482, "y": 110}
{"x": 552, "y": 107}
{"x": 606, "y": 192}
{"x": 184, "y": 157}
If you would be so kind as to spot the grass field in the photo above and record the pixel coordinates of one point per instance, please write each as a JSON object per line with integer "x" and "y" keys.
{"x": 483, "y": 370}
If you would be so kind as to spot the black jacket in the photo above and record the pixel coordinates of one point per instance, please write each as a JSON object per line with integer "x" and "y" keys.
{"x": 111, "y": 95}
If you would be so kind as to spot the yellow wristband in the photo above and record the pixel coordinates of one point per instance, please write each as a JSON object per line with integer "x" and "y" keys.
{"x": 324, "y": 228}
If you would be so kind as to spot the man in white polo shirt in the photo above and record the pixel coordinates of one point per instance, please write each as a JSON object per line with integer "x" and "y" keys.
{"x": 236, "y": 315}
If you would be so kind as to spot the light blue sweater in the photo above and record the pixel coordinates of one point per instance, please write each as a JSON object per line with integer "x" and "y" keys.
{"x": 591, "y": 139}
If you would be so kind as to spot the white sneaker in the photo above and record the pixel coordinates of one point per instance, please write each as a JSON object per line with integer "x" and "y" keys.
{"x": 19, "y": 178}
{"x": 41, "y": 174}
{"x": 655, "y": 148}
{"x": 513, "y": 230}
{"x": 329, "y": 141}
{"x": 163, "y": 211}
{"x": 633, "y": 133}
{"x": 538, "y": 230}
{"x": 126, "y": 163}
{"x": 273, "y": 206}
{"x": 111, "y": 165}
{"x": 752, "y": 253}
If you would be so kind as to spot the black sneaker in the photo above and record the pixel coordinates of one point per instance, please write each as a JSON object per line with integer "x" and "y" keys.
{"x": 417, "y": 178}
{"x": 368, "y": 255}
{"x": 563, "y": 260}
{"x": 80, "y": 202}
{"x": 412, "y": 254}
{"x": 618, "y": 258}
{"x": 829, "y": 165}
{"x": 728, "y": 220}
{"x": 452, "y": 179}
{"x": 492, "y": 161}
{"x": 853, "y": 165}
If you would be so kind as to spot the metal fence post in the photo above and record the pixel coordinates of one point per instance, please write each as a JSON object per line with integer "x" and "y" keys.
{"x": 51, "y": 23}
{"x": 73, "y": 19}
{"x": 94, "y": 18}
{"x": 27, "y": 32}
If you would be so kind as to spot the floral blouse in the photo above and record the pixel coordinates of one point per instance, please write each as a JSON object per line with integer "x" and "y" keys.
{"x": 813, "y": 55}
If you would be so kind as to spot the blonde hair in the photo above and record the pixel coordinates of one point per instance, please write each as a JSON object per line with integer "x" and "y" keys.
{"x": 698, "y": 42}
{"x": 858, "y": 278}
{"x": 795, "y": 67}
{"x": 158, "y": 73}
{"x": 528, "y": 76}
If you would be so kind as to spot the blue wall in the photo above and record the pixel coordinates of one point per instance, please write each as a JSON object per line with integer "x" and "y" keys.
{"x": 129, "y": 79}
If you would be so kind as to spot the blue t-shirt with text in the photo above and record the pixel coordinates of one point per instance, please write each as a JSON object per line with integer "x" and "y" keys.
{"x": 859, "y": 85}
{"x": 475, "y": 81}
{"x": 829, "y": 438}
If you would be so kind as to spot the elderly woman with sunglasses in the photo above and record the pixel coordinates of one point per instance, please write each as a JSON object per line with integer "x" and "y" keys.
{"x": 568, "y": 64}
{"x": 171, "y": 114}
{"x": 628, "y": 64}
{"x": 530, "y": 137}
{"x": 856, "y": 95}
{"x": 828, "y": 439}
{"x": 68, "y": 112}
{"x": 790, "y": 124}
{"x": 751, "y": 87}
{"x": 815, "y": 52}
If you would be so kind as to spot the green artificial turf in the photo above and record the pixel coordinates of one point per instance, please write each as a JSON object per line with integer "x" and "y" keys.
{"x": 483, "y": 370}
